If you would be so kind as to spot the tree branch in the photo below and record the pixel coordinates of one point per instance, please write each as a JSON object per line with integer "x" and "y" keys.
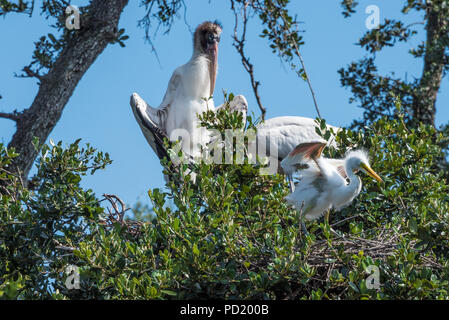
{"x": 437, "y": 28}
{"x": 31, "y": 74}
{"x": 57, "y": 86}
{"x": 303, "y": 66}
{"x": 10, "y": 116}
{"x": 239, "y": 44}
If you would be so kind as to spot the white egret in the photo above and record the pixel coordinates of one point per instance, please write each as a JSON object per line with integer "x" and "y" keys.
{"x": 325, "y": 184}
{"x": 277, "y": 137}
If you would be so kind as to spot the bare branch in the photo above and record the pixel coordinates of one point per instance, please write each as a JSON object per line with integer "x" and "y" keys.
{"x": 239, "y": 44}
{"x": 62, "y": 247}
{"x": 117, "y": 216}
{"x": 30, "y": 74}
{"x": 303, "y": 66}
{"x": 414, "y": 23}
{"x": 10, "y": 116}
{"x": 113, "y": 199}
{"x": 283, "y": 35}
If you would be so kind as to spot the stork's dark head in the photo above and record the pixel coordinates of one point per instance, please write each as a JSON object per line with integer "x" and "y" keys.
{"x": 205, "y": 42}
{"x": 207, "y": 36}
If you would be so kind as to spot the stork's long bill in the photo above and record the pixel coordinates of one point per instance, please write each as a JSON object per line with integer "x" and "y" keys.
{"x": 205, "y": 43}
{"x": 212, "y": 50}
{"x": 370, "y": 172}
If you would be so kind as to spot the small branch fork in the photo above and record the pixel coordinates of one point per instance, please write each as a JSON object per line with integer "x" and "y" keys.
{"x": 239, "y": 44}
{"x": 116, "y": 215}
{"x": 29, "y": 73}
{"x": 32, "y": 74}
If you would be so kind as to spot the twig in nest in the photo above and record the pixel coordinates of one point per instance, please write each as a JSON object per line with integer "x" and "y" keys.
{"x": 119, "y": 213}
{"x": 62, "y": 247}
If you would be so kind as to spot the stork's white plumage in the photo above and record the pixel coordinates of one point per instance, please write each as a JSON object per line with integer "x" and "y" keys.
{"x": 323, "y": 184}
{"x": 283, "y": 134}
{"x": 189, "y": 86}
{"x": 288, "y": 132}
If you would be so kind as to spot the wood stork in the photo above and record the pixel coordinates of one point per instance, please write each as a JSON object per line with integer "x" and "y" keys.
{"x": 188, "y": 93}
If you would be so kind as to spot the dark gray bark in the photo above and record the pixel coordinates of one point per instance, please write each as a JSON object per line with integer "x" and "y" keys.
{"x": 57, "y": 86}
{"x": 434, "y": 62}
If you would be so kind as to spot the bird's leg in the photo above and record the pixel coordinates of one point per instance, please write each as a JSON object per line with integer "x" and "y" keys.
{"x": 303, "y": 228}
{"x": 326, "y": 216}
{"x": 291, "y": 183}
{"x": 302, "y": 225}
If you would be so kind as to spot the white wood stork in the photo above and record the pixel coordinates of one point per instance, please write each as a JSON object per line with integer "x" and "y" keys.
{"x": 189, "y": 86}
{"x": 189, "y": 93}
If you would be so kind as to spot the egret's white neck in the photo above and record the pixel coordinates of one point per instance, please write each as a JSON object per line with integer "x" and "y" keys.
{"x": 353, "y": 188}
{"x": 354, "y": 180}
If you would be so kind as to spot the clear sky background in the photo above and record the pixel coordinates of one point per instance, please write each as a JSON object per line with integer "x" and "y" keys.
{"x": 99, "y": 110}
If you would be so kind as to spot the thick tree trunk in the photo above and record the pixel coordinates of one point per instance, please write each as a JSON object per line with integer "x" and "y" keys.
{"x": 56, "y": 88}
{"x": 434, "y": 62}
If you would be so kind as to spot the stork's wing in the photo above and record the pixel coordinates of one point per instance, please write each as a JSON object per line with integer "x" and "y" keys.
{"x": 152, "y": 132}
{"x": 152, "y": 121}
{"x": 150, "y": 129}
{"x": 173, "y": 85}
{"x": 302, "y": 154}
{"x": 291, "y": 130}
{"x": 158, "y": 117}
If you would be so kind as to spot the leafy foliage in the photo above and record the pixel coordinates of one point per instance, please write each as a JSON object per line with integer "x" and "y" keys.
{"x": 372, "y": 91}
{"x": 16, "y": 6}
{"x": 48, "y": 47}
{"x": 230, "y": 234}
{"x": 281, "y": 30}
{"x": 39, "y": 227}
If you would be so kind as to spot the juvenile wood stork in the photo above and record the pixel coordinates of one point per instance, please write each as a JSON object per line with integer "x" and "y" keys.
{"x": 324, "y": 182}
{"x": 188, "y": 93}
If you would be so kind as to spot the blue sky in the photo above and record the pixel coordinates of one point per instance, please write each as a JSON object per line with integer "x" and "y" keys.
{"x": 99, "y": 110}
